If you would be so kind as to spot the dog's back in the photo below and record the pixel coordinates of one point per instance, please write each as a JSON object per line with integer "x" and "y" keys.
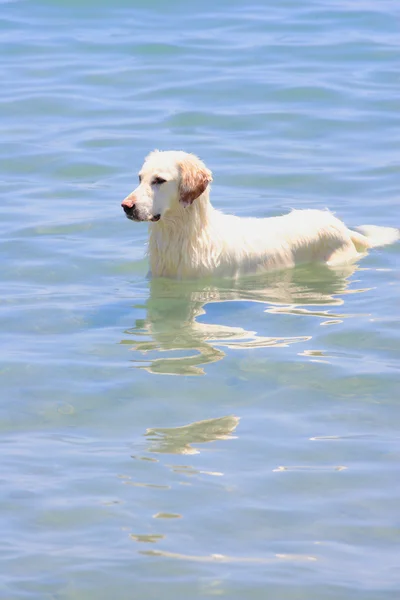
{"x": 189, "y": 238}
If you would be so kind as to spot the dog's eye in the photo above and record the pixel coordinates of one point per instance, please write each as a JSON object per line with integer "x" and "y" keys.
{"x": 158, "y": 181}
{"x": 140, "y": 179}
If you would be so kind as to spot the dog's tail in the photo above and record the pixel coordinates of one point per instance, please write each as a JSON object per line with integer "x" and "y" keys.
{"x": 370, "y": 236}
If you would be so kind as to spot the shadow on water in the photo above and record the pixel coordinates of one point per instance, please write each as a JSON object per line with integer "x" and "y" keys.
{"x": 171, "y": 339}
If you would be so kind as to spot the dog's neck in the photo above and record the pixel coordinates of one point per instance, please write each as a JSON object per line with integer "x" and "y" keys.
{"x": 175, "y": 240}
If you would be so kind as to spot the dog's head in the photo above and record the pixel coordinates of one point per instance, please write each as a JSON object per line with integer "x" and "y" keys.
{"x": 168, "y": 181}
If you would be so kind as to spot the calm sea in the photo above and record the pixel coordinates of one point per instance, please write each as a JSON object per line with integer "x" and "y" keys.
{"x": 164, "y": 440}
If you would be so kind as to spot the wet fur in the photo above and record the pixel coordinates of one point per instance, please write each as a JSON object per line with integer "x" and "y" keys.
{"x": 192, "y": 239}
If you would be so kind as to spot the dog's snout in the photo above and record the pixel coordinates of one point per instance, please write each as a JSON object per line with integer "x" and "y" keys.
{"x": 129, "y": 202}
{"x": 129, "y": 205}
{"x": 128, "y": 209}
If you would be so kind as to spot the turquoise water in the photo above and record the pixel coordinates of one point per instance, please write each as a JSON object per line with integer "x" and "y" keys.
{"x": 176, "y": 439}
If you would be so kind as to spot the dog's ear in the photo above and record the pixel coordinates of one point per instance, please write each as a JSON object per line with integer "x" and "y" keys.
{"x": 195, "y": 178}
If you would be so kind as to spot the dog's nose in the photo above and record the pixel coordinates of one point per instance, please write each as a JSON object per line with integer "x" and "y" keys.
{"x": 128, "y": 209}
{"x": 128, "y": 204}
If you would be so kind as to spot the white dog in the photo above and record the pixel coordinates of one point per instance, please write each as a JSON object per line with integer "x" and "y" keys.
{"x": 189, "y": 238}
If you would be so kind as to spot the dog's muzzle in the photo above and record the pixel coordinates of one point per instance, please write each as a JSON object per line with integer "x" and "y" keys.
{"x": 130, "y": 211}
{"x": 133, "y": 214}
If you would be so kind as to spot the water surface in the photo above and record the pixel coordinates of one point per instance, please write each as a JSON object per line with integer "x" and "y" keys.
{"x": 196, "y": 439}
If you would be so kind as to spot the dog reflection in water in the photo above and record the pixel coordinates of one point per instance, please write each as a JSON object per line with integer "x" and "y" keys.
{"x": 171, "y": 340}
{"x": 180, "y": 440}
